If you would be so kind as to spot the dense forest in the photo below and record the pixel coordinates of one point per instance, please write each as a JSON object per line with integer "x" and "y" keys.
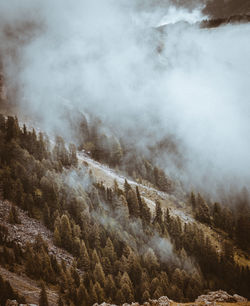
{"x": 122, "y": 251}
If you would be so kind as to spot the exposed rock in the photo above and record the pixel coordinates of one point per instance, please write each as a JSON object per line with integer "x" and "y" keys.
{"x": 11, "y": 303}
{"x": 219, "y": 296}
{"x": 239, "y": 298}
{"x": 28, "y": 230}
{"x": 104, "y": 304}
{"x": 162, "y": 301}
{"x": 210, "y": 299}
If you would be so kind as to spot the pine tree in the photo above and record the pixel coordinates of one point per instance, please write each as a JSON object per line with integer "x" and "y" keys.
{"x": 46, "y": 216}
{"x": 133, "y": 205}
{"x": 202, "y": 210}
{"x": 66, "y": 232}
{"x": 110, "y": 288}
{"x": 43, "y": 299}
{"x": 99, "y": 274}
{"x": 193, "y": 200}
{"x": 134, "y": 268}
{"x": 109, "y": 251}
{"x": 72, "y": 155}
{"x": 83, "y": 261}
{"x": 127, "y": 287}
{"x": 158, "y": 213}
{"x": 99, "y": 292}
{"x": 127, "y": 187}
{"x": 57, "y": 237}
{"x": 12, "y": 128}
{"x": 82, "y": 296}
{"x": 145, "y": 296}
{"x": 119, "y": 298}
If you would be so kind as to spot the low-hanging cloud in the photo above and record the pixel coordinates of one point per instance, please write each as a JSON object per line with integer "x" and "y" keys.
{"x": 103, "y": 57}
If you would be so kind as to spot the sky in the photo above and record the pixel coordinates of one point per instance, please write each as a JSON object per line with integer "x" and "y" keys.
{"x": 102, "y": 57}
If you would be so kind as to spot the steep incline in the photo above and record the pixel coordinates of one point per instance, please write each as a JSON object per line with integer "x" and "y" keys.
{"x": 104, "y": 174}
{"x": 28, "y": 230}
{"x": 28, "y": 288}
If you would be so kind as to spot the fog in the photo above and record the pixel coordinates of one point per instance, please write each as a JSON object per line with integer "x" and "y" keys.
{"x": 102, "y": 57}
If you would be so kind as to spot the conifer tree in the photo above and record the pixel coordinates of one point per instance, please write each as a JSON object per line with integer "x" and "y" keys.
{"x": 83, "y": 261}
{"x": 13, "y": 215}
{"x": 57, "y": 237}
{"x": 145, "y": 296}
{"x": 133, "y": 205}
{"x": 99, "y": 292}
{"x": 193, "y": 200}
{"x": 119, "y": 298}
{"x": 109, "y": 251}
{"x": 66, "y": 232}
{"x": 99, "y": 274}
{"x": 110, "y": 288}
{"x": 43, "y": 299}
{"x": 82, "y": 296}
{"x": 127, "y": 287}
{"x": 127, "y": 187}
{"x": 158, "y": 213}
{"x": 46, "y": 215}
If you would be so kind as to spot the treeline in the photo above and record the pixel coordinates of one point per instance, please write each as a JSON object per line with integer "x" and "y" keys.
{"x": 111, "y": 232}
{"x": 234, "y": 221}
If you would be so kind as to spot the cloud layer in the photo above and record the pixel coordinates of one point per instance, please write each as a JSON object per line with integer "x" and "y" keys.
{"x": 102, "y": 57}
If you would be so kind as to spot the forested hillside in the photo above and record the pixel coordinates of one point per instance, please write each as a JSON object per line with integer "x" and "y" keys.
{"x": 121, "y": 250}
{"x": 124, "y": 152}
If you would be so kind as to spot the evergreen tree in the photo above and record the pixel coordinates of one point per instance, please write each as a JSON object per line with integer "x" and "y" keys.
{"x": 127, "y": 287}
{"x": 109, "y": 251}
{"x": 110, "y": 288}
{"x": 66, "y": 232}
{"x": 82, "y": 296}
{"x": 83, "y": 261}
{"x": 57, "y": 237}
{"x": 193, "y": 200}
{"x": 99, "y": 274}
{"x": 13, "y": 215}
{"x": 43, "y": 299}
{"x": 99, "y": 292}
{"x": 158, "y": 213}
{"x": 133, "y": 205}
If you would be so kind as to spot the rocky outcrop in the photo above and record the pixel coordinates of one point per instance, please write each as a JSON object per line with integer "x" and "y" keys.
{"x": 162, "y": 301}
{"x": 220, "y": 296}
{"x": 15, "y": 303}
{"x": 28, "y": 230}
{"x": 11, "y": 303}
{"x": 207, "y": 299}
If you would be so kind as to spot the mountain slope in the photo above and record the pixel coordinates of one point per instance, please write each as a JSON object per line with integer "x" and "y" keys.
{"x": 106, "y": 237}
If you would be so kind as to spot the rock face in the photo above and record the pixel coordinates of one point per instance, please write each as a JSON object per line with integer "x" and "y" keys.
{"x": 162, "y": 301}
{"x": 220, "y": 296}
